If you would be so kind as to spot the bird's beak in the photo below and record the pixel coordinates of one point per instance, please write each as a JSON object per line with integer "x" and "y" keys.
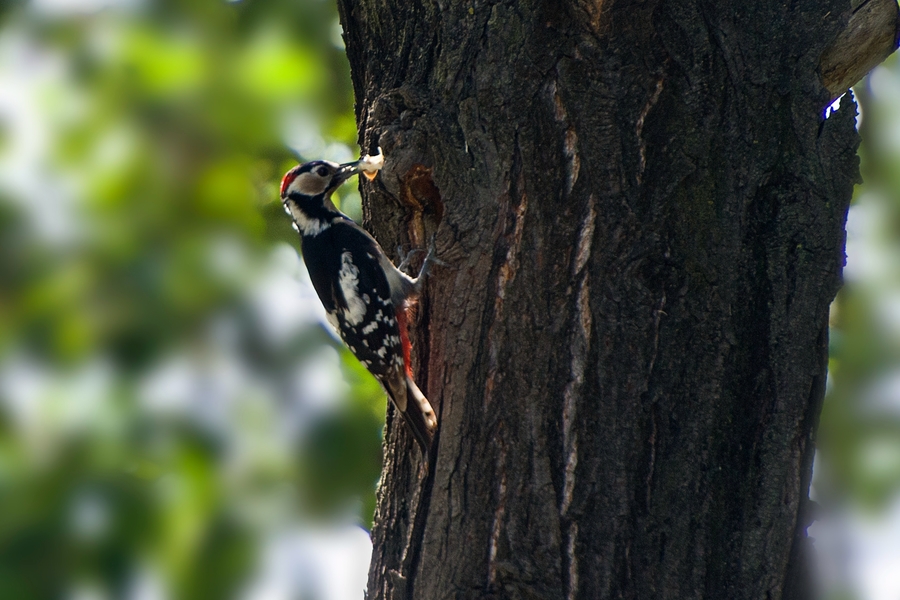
{"x": 348, "y": 170}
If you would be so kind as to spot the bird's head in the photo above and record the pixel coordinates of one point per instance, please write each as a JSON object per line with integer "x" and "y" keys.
{"x": 316, "y": 178}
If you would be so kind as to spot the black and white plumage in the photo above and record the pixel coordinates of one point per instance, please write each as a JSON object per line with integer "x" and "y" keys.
{"x": 366, "y": 297}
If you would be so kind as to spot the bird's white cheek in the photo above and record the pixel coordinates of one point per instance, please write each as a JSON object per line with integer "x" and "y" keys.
{"x": 308, "y": 184}
{"x": 303, "y": 223}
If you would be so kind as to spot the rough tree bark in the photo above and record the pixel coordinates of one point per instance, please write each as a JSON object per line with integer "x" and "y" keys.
{"x": 642, "y": 209}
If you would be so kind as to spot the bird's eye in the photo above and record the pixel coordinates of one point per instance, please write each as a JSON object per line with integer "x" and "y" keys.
{"x": 322, "y": 172}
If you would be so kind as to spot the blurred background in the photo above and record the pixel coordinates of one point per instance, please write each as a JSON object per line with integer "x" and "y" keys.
{"x": 175, "y": 419}
{"x": 856, "y": 477}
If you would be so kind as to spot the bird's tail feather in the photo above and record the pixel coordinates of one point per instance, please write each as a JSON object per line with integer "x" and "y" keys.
{"x": 416, "y": 411}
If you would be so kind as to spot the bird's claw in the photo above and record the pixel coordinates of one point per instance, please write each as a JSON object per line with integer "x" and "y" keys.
{"x": 405, "y": 256}
{"x": 430, "y": 258}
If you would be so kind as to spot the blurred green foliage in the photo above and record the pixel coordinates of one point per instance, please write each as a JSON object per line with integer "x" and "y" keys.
{"x": 856, "y": 478}
{"x": 858, "y": 459}
{"x": 165, "y": 399}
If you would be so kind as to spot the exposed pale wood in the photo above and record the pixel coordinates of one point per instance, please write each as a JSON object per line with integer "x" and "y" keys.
{"x": 870, "y": 36}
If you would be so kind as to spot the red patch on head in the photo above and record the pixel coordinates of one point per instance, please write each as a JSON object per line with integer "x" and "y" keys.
{"x": 288, "y": 178}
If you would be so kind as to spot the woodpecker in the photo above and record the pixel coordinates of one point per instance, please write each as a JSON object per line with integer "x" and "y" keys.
{"x": 366, "y": 297}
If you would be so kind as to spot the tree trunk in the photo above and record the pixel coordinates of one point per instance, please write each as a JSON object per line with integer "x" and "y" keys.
{"x": 641, "y": 208}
